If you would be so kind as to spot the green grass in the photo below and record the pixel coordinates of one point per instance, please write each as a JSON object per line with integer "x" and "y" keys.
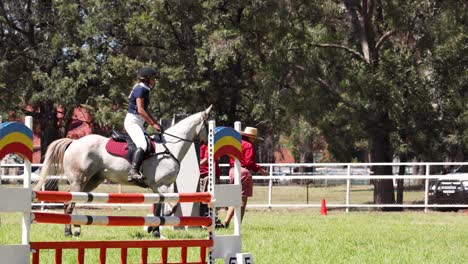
{"x": 296, "y": 236}
{"x": 290, "y": 236}
{"x": 359, "y": 237}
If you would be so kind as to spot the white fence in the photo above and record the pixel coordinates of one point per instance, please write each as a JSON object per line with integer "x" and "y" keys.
{"x": 345, "y": 172}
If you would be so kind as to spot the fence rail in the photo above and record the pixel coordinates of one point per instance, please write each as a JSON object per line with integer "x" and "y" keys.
{"x": 348, "y": 172}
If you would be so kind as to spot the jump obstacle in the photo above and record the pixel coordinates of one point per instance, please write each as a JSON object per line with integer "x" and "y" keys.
{"x": 17, "y": 138}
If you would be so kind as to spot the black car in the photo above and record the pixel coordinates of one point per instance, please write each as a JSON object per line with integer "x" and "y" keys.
{"x": 452, "y": 189}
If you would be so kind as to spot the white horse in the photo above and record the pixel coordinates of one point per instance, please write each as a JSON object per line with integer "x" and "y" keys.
{"x": 86, "y": 163}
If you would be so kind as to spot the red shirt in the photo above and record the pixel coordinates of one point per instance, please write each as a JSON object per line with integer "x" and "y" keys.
{"x": 204, "y": 167}
{"x": 248, "y": 156}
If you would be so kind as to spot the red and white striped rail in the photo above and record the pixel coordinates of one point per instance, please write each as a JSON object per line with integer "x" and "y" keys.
{"x": 52, "y": 218}
{"x": 143, "y": 198}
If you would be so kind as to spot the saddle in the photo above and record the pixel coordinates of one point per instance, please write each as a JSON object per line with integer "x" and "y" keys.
{"x": 121, "y": 145}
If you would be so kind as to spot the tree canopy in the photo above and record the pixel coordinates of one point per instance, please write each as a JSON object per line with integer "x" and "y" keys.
{"x": 387, "y": 78}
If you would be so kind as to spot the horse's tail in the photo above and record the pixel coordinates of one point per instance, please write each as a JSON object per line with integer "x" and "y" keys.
{"x": 53, "y": 161}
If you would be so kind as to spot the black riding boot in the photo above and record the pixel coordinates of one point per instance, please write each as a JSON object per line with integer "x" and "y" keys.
{"x": 134, "y": 173}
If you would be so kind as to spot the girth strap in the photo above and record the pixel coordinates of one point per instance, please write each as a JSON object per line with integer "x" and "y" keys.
{"x": 167, "y": 151}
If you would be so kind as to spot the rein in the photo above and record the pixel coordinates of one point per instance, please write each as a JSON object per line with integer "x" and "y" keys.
{"x": 183, "y": 139}
{"x": 167, "y": 151}
{"x": 205, "y": 125}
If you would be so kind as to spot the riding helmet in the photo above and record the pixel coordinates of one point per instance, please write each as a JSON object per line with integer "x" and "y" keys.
{"x": 146, "y": 72}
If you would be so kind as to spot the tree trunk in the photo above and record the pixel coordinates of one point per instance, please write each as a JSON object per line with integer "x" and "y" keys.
{"x": 400, "y": 187}
{"x": 381, "y": 152}
{"x": 49, "y": 126}
{"x": 49, "y": 133}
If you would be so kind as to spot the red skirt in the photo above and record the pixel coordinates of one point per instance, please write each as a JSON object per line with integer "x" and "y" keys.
{"x": 246, "y": 181}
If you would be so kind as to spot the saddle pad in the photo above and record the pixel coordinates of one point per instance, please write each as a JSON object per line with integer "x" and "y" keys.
{"x": 117, "y": 148}
{"x": 120, "y": 149}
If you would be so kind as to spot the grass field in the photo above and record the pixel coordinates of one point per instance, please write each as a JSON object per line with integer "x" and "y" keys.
{"x": 295, "y": 236}
{"x": 291, "y": 236}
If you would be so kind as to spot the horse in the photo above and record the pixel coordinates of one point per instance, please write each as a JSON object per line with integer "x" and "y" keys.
{"x": 86, "y": 162}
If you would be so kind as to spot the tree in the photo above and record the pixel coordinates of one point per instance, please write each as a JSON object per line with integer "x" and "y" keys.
{"x": 384, "y": 77}
{"x": 370, "y": 72}
{"x": 448, "y": 77}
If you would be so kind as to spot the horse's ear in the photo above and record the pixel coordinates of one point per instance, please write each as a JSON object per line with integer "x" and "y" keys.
{"x": 207, "y": 111}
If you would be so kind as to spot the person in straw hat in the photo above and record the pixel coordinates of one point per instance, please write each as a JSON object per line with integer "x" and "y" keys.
{"x": 248, "y": 165}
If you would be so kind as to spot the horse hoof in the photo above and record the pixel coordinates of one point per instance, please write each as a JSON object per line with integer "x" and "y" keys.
{"x": 68, "y": 232}
{"x": 150, "y": 229}
{"x": 156, "y": 234}
{"x": 77, "y": 233}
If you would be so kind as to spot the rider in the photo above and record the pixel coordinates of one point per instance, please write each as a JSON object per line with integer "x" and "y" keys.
{"x": 137, "y": 114}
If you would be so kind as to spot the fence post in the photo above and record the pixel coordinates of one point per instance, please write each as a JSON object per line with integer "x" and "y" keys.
{"x": 426, "y": 189}
{"x": 270, "y": 187}
{"x": 348, "y": 185}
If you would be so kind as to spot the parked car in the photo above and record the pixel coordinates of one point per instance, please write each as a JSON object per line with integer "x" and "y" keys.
{"x": 452, "y": 189}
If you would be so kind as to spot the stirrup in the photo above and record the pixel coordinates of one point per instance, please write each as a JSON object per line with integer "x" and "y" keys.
{"x": 132, "y": 177}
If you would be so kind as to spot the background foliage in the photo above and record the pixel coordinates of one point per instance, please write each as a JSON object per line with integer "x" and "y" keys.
{"x": 376, "y": 80}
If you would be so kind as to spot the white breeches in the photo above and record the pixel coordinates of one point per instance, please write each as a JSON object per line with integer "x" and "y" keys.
{"x": 134, "y": 126}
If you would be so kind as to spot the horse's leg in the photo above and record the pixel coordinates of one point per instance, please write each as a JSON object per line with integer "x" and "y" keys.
{"x": 173, "y": 209}
{"x": 157, "y": 208}
{"x": 155, "y": 230}
{"x": 157, "y": 211}
{"x": 68, "y": 209}
{"x": 75, "y": 186}
{"x": 93, "y": 182}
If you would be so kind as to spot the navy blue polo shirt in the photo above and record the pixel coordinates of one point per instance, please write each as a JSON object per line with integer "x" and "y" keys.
{"x": 140, "y": 91}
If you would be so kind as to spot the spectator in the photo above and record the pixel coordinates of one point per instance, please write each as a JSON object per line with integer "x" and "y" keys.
{"x": 204, "y": 170}
{"x": 248, "y": 165}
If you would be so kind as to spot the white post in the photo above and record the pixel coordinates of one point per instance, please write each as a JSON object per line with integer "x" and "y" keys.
{"x": 270, "y": 188}
{"x": 348, "y": 185}
{"x": 237, "y": 180}
{"x": 426, "y": 189}
{"x": 211, "y": 184}
{"x": 27, "y": 185}
{"x": 43, "y": 208}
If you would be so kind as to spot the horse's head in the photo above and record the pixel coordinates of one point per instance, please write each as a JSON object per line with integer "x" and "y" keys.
{"x": 192, "y": 127}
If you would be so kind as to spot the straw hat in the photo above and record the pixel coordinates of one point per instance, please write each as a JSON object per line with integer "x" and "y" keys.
{"x": 250, "y": 132}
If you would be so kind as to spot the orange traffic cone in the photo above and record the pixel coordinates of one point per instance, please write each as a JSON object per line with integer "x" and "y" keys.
{"x": 323, "y": 210}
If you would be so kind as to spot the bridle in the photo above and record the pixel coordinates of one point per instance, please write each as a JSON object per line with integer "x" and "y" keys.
{"x": 205, "y": 125}
{"x": 166, "y": 149}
